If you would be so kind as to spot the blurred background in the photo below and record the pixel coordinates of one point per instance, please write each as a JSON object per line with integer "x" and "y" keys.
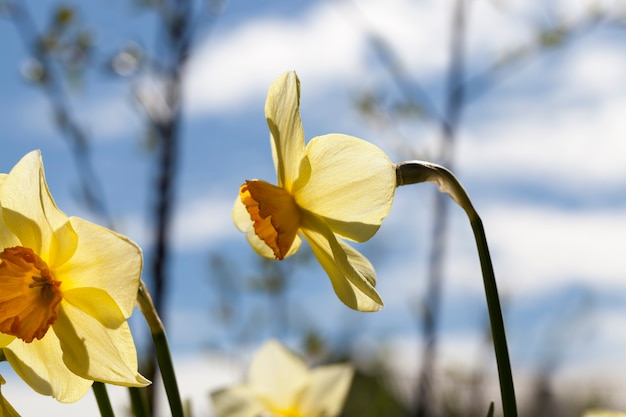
{"x": 150, "y": 114}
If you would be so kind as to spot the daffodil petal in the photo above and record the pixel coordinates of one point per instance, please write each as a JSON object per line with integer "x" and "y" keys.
{"x": 106, "y": 260}
{"x": 63, "y": 246}
{"x": 7, "y": 237}
{"x": 96, "y": 352}
{"x": 19, "y": 230}
{"x": 327, "y": 390}
{"x": 241, "y": 217}
{"x": 41, "y": 366}
{"x": 282, "y": 111}
{"x": 237, "y": 401}
{"x": 352, "y": 185}
{"x": 352, "y": 275}
{"x": 277, "y": 376}
{"x": 98, "y": 304}
{"x": 5, "y": 339}
{"x": 25, "y": 191}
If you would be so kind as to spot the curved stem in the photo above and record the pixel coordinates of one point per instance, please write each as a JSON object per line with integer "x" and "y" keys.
{"x": 164, "y": 358}
{"x": 102, "y": 398}
{"x": 414, "y": 172}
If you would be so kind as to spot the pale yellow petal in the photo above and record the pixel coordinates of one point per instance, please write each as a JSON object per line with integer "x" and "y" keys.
{"x": 352, "y": 185}
{"x": 97, "y": 303}
{"x": 25, "y": 191}
{"x": 5, "y": 339}
{"x": 19, "y": 230}
{"x": 327, "y": 391}
{"x": 277, "y": 376}
{"x": 106, "y": 260}
{"x": 63, "y": 245}
{"x": 282, "y": 111}
{"x": 351, "y": 274}
{"x": 7, "y": 237}
{"x": 96, "y": 352}
{"x": 236, "y": 401}
{"x": 241, "y": 217}
{"x": 41, "y": 366}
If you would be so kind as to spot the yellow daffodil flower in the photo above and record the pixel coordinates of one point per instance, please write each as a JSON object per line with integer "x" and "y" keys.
{"x": 603, "y": 413}
{"x": 281, "y": 385}
{"x": 67, "y": 287}
{"x": 6, "y": 409}
{"x": 336, "y": 187}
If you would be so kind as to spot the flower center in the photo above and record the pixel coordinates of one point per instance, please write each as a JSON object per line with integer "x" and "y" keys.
{"x": 29, "y": 294}
{"x": 274, "y": 212}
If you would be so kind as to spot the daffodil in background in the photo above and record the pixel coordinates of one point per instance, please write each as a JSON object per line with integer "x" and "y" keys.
{"x": 336, "y": 187}
{"x": 281, "y": 385}
{"x": 67, "y": 287}
{"x": 603, "y": 413}
{"x": 6, "y": 409}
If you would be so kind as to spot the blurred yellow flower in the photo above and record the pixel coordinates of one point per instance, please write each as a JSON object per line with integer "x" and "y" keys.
{"x": 337, "y": 186}
{"x": 603, "y": 413}
{"x": 6, "y": 409}
{"x": 67, "y": 287}
{"x": 281, "y": 385}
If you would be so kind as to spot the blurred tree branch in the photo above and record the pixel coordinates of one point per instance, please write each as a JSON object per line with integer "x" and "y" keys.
{"x": 66, "y": 47}
{"x": 461, "y": 90}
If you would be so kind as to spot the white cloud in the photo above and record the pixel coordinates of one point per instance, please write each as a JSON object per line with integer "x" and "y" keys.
{"x": 231, "y": 69}
{"x": 537, "y": 248}
{"x": 327, "y": 45}
{"x": 108, "y": 117}
{"x": 533, "y": 250}
{"x": 201, "y": 221}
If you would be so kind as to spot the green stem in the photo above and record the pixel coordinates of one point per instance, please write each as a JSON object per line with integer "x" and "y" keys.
{"x": 138, "y": 402}
{"x": 164, "y": 358}
{"x": 414, "y": 172}
{"x": 102, "y": 398}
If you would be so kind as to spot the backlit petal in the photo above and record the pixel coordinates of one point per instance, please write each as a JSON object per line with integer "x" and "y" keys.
{"x": 96, "y": 352}
{"x": 351, "y": 274}
{"x": 5, "y": 339}
{"x": 282, "y": 111}
{"x": 106, "y": 260}
{"x": 25, "y": 191}
{"x": 19, "y": 230}
{"x": 277, "y": 376}
{"x": 241, "y": 217}
{"x": 97, "y": 303}
{"x": 236, "y": 401}
{"x": 327, "y": 392}
{"x": 41, "y": 366}
{"x": 63, "y": 245}
{"x": 352, "y": 184}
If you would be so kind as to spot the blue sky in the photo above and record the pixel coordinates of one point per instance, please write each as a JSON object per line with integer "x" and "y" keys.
{"x": 542, "y": 156}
